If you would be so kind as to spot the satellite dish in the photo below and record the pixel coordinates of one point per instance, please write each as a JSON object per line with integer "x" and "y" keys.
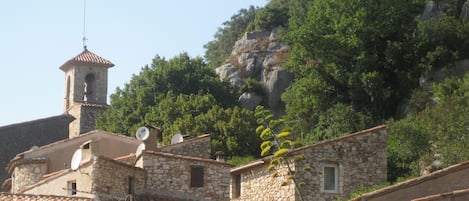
{"x": 177, "y": 139}
{"x": 140, "y": 149}
{"x": 142, "y": 133}
{"x": 76, "y": 159}
{"x": 34, "y": 147}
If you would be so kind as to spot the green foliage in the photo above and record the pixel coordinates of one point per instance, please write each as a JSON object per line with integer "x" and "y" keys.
{"x": 232, "y": 130}
{"x": 163, "y": 92}
{"x": 408, "y": 141}
{"x": 350, "y": 53}
{"x": 275, "y": 136}
{"x": 218, "y": 50}
{"x": 436, "y": 135}
{"x": 240, "y": 160}
{"x": 338, "y": 120}
{"x": 273, "y": 15}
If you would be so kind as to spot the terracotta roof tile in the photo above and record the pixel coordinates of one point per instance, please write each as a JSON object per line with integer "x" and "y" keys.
{"x": 266, "y": 159}
{"x": 87, "y": 57}
{"x": 28, "y": 197}
{"x": 414, "y": 181}
{"x": 444, "y": 196}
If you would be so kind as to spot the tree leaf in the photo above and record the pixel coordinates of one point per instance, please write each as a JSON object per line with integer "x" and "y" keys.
{"x": 265, "y": 151}
{"x": 280, "y": 152}
{"x": 283, "y": 135}
{"x": 265, "y": 144}
{"x": 259, "y": 129}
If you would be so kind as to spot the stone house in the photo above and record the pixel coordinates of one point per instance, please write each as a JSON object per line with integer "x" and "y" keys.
{"x": 25, "y": 197}
{"x": 331, "y": 170}
{"x": 110, "y": 166}
{"x": 451, "y": 183}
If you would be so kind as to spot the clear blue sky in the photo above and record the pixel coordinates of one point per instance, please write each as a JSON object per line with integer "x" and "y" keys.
{"x": 39, "y": 36}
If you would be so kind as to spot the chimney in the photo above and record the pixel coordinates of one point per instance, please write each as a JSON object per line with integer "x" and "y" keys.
{"x": 90, "y": 149}
{"x": 219, "y": 156}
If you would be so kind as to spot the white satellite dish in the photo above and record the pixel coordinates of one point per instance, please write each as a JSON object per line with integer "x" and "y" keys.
{"x": 76, "y": 159}
{"x": 34, "y": 147}
{"x": 177, "y": 139}
{"x": 140, "y": 149}
{"x": 142, "y": 133}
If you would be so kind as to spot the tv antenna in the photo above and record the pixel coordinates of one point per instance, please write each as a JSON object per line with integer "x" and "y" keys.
{"x": 84, "y": 24}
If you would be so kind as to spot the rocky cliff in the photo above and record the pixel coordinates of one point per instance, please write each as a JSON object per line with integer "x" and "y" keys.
{"x": 259, "y": 55}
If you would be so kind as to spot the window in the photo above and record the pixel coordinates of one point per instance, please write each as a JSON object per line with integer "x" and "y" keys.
{"x": 331, "y": 179}
{"x": 131, "y": 186}
{"x": 72, "y": 187}
{"x": 197, "y": 176}
{"x": 88, "y": 88}
{"x": 67, "y": 94}
{"x": 237, "y": 186}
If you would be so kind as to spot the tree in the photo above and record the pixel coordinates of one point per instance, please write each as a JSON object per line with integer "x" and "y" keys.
{"x": 181, "y": 79}
{"x": 232, "y": 130}
{"x": 277, "y": 139}
{"x": 219, "y": 49}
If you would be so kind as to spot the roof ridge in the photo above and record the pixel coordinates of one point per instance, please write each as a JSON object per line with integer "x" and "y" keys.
{"x": 87, "y": 57}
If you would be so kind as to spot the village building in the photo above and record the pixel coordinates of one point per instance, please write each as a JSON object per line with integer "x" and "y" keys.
{"x": 451, "y": 183}
{"x": 93, "y": 164}
{"x": 331, "y": 170}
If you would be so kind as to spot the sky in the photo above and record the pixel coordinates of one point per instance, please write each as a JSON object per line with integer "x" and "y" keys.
{"x": 37, "y": 37}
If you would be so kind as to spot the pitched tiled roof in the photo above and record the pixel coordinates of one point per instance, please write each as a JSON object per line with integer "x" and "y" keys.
{"x": 414, "y": 181}
{"x": 445, "y": 196}
{"x": 265, "y": 160}
{"x": 87, "y": 57}
{"x": 28, "y": 197}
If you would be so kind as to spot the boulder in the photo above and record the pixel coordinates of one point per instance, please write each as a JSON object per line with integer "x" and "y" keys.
{"x": 259, "y": 55}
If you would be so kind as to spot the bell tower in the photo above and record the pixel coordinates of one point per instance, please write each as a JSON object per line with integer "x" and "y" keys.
{"x": 85, "y": 90}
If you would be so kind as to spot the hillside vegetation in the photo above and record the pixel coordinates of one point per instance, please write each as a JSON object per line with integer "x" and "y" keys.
{"x": 356, "y": 64}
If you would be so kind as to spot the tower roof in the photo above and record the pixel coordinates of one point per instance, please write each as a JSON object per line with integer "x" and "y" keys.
{"x": 87, "y": 57}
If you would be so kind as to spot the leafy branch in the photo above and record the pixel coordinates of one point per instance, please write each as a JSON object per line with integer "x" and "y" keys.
{"x": 276, "y": 139}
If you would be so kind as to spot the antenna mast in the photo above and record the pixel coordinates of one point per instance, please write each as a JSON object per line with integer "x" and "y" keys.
{"x": 84, "y": 24}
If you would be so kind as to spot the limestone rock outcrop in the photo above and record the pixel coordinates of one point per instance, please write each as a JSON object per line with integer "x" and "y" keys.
{"x": 259, "y": 55}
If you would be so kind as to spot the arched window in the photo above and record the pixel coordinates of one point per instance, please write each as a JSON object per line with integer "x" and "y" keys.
{"x": 89, "y": 87}
{"x": 67, "y": 93}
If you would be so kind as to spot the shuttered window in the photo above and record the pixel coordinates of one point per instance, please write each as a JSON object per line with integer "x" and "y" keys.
{"x": 197, "y": 176}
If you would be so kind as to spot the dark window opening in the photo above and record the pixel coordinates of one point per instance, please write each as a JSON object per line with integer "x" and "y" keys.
{"x": 237, "y": 186}
{"x": 88, "y": 88}
{"x": 197, "y": 176}
{"x": 131, "y": 185}
{"x": 73, "y": 188}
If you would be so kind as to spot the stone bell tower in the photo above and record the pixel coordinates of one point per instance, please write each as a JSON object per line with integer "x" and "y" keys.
{"x": 85, "y": 90}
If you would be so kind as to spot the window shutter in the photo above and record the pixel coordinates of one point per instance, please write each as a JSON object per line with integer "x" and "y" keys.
{"x": 197, "y": 176}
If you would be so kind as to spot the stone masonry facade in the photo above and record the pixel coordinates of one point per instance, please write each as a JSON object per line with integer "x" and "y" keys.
{"x": 116, "y": 179}
{"x": 171, "y": 174}
{"x": 359, "y": 159}
{"x": 197, "y": 147}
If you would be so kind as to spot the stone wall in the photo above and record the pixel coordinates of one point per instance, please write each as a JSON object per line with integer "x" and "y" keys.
{"x": 85, "y": 118}
{"x": 111, "y": 179}
{"x": 360, "y": 159}
{"x": 259, "y": 184}
{"x": 17, "y": 138}
{"x": 58, "y": 183}
{"x": 197, "y": 147}
{"x": 171, "y": 175}
{"x": 27, "y": 174}
{"x": 89, "y": 114}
